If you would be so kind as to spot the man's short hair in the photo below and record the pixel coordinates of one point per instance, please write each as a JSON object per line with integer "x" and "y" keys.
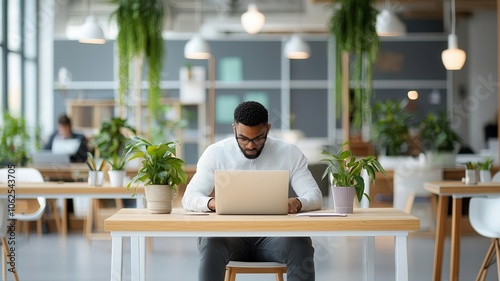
{"x": 64, "y": 120}
{"x": 250, "y": 113}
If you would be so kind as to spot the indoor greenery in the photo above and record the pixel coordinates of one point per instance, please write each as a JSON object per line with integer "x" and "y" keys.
{"x": 390, "y": 128}
{"x": 437, "y": 134}
{"x": 140, "y": 26}
{"x": 352, "y": 24}
{"x": 160, "y": 166}
{"x": 112, "y": 137}
{"x": 95, "y": 164}
{"x": 14, "y": 140}
{"x": 486, "y": 165}
{"x": 116, "y": 162}
{"x": 345, "y": 169}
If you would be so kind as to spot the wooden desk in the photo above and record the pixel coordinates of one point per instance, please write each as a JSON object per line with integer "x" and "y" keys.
{"x": 139, "y": 223}
{"x": 457, "y": 190}
{"x": 55, "y": 190}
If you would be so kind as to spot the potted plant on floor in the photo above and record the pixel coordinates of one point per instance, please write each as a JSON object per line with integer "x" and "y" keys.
{"x": 161, "y": 172}
{"x": 345, "y": 174}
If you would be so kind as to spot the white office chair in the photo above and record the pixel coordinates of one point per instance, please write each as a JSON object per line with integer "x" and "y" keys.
{"x": 409, "y": 184}
{"x": 237, "y": 267}
{"x": 30, "y": 175}
{"x": 496, "y": 177}
{"x": 4, "y": 222}
{"x": 483, "y": 216}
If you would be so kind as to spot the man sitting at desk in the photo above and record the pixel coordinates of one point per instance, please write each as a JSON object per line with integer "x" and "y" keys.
{"x": 253, "y": 149}
{"x": 65, "y": 132}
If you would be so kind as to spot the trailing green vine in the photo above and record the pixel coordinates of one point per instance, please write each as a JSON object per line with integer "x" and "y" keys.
{"x": 353, "y": 26}
{"x": 140, "y": 26}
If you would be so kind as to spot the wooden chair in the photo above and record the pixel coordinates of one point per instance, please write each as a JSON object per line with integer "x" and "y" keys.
{"x": 237, "y": 267}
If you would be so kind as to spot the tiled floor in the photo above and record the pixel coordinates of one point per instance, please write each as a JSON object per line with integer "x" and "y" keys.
{"x": 50, "y": 258}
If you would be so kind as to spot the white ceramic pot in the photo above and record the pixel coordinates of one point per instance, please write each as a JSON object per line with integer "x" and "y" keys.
{"x": 484, "y": 175}
{"x": 96, "y": 178}
{"x": 343, "y": 199}
{"x": 159, "y": 198}
{"x": 116, "y": 177}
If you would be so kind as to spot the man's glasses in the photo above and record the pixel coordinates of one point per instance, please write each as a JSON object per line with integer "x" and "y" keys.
{"x": 256, "y": 141}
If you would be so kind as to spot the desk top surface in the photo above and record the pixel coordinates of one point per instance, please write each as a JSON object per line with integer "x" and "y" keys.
{"x": 371, "y": 219}
{"x": 76, "y": 188}
{"x": 460, "y": 188}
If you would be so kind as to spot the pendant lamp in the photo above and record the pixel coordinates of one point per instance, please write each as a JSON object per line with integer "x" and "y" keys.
{"x": 453, "y": 58}
{"x": 389, "y": 24}
{"x": 91, "y": 32}
{"x": 252, "y": 20}
{"x": 296, "y": 48}
{"x": 197, "y": 48}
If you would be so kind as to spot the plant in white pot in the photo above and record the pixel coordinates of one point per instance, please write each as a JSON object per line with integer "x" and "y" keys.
{"x": 161, "y": 172}
{"x": 345, "y": 174}
{"x": 485, "y": 169}
{"x": 117, "y": 172}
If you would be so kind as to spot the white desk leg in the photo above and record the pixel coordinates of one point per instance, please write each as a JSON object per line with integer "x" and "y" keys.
{"x": 138, "y": 258}
{"x": 370, "y": 258}
{"x": 401, "y": 253}
{"x": 116, "y": 258}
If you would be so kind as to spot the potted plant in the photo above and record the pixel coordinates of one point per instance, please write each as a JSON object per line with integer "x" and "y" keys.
{"x": 14, "y": 140}
{"x": 96, "y": 167}
{"x": 112, "y": 137}
{"x": 161, "y": 172}
{"x": 117, "y": 173}
{"x": 352, "y": 25}
{"x": 438, "y": 140}
{"x": 484, "y": 169}
{"x": 346, "y": 179}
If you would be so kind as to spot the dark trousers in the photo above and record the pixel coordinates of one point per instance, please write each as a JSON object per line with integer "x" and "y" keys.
{"x": 296, "y": 252}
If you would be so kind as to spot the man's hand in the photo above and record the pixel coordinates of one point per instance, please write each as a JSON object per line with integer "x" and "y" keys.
{"x": 294, "y": 205}
{"x": 211, "y": 204}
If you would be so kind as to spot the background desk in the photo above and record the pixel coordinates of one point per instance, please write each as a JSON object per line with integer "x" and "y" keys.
{"x": 65, "y": 190}
{"x": 457, "y": 190}
{"x": 139, "y": 223}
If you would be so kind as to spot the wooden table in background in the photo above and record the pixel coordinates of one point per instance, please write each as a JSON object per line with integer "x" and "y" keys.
{"x": 65, "y": 190}
{"x": 457, "y": 190}
{"x": 139, "y": 224}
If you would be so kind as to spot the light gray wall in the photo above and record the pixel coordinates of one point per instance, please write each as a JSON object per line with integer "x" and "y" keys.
{"x": 482, "y": 100}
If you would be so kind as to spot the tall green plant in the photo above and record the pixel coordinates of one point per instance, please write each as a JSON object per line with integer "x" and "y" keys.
{"x": 390, "y": 127}
{"x": 14, "y": 140}
{"x": 140, "y": 26}
{"x": 437, "y": 134}
{"x": 352, "y": 24}
{"x": 111, "y": 139}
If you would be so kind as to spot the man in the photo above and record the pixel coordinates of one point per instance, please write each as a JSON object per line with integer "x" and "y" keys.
{"x": 253, "y": 149}
{"x": 65, "y": 132}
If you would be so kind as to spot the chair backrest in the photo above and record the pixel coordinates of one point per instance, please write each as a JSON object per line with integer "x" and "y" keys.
{"x": 483, "y": 216}
{"x": 25, "y": 175}
{"x": 496, "y": 177}
{"x": 21, "y": 174}
{"x": 3, "y": 217}
{"x": 410, "y": 179}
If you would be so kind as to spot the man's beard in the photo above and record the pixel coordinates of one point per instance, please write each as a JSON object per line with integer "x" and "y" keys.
{"x": 252, "y": 155}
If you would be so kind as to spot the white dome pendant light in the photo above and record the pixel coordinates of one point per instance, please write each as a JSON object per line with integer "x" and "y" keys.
{"x": 90, "y": 31}
{"x": 388, "y": 23}
{"x": 453, "y": 58}
{"x": 296, "y": 48}
{"x": 252, "y": 20}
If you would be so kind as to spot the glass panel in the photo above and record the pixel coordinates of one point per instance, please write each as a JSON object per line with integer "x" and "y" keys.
{"x": 30, "y": 96}
{"x": 1, "y": 19}
{"x": 2, "y": 71}
{"x": 30, "y": 25}
{"x": 13, "y": 25}
{"x": 14, "y": 78}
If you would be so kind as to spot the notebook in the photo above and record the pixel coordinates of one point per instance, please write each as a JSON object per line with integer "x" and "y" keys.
{"x": 251, "y": 192}
{"x": 46, "y": 157}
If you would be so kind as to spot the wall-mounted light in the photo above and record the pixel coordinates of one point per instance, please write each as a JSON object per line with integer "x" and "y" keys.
{"x": 252, "y": 20}
{"x": 296, "y": 48}
{"x": 453, "y": 58}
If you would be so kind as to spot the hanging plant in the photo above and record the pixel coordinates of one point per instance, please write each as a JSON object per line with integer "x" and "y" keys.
{"x": 140, "y": 26}
{"x": 352, "y": 24}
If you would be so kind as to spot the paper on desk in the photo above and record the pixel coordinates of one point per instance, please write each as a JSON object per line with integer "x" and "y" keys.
{"x": 321, "y": 214}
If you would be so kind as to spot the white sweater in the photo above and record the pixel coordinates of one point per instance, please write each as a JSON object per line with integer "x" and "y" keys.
{"x": 276, "y": 155}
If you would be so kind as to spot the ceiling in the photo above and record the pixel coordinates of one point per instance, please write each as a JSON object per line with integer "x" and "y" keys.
{"x": 282, "y": 16}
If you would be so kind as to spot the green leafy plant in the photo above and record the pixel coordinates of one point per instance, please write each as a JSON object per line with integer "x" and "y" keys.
{"x": 345, "y": 169}
{"x": 437, "y": 134}
{"x": 116, "y": 162}
{"x": 140, "y": 26}
{"x": 112, "y": 137}
{"x": 95, "y": 164}
{"x": 14, "y": 140}
{"x": 352, "y": 24}
{"x": 486, "y": 165}
{"x": 471, "y": 165}
{"x": 390, "y": 127}
{"x": 160, "y": 166}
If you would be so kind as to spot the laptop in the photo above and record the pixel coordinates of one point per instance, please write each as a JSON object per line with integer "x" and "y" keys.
{"x": 251, "y": 192}
{"x": 46, "y": 157}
